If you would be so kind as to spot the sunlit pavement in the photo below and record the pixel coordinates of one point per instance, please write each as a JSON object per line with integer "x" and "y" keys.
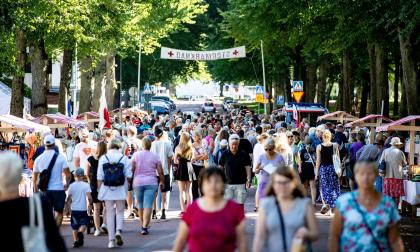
{"x": 163, "y": 232}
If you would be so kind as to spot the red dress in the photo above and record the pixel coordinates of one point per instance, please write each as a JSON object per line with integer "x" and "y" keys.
{"x": 213, "y": 231}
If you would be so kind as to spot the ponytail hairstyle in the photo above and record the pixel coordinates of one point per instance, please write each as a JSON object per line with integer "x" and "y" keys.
{"x": 285, "y": 171}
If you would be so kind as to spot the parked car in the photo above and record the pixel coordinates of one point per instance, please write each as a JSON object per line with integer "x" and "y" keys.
{"x": 227, "y": 105}
{"x": 208, "y": 106}
{"x": 165, "y": 99}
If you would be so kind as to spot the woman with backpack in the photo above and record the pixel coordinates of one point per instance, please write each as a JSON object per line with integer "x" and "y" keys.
{"x": 114, "y": 173}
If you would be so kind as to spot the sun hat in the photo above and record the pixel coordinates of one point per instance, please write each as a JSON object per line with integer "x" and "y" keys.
{"x": 396, "y": 141}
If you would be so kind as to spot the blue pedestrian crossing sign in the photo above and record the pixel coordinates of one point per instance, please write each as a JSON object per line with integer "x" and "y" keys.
{"x": 259, "y": 90}
{"x": 147, "y": 89}
{"x": 297, "y": 86}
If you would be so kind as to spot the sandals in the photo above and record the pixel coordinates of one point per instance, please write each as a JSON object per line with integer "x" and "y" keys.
{"x": 325, "y": 209}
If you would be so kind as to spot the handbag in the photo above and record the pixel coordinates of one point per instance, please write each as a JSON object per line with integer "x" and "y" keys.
{"x": 45, "y": 175}
{"x": 33, "y": 237}
{"x": 336, "y": 161}
{"x": 191, "y": 172}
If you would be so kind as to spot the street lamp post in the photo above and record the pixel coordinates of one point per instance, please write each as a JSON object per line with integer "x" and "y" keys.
{"x": 138, "y": 73}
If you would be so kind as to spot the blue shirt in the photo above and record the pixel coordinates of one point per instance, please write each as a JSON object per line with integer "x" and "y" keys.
{"x": 315, "y": 141}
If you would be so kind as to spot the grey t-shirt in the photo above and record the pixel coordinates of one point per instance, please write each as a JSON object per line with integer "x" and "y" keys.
{"x": 293, "y": 220}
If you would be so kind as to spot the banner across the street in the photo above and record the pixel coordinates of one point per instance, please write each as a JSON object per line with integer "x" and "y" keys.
{"x": 176, "y": 54}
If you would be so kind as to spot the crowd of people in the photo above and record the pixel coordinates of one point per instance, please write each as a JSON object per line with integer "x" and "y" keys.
{"x": 215, "y": 159}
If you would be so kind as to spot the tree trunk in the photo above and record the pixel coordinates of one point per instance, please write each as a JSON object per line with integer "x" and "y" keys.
{"x": 221, "y": 86}
{"x": 65, "y": 79}
{"x": 403, "y": 108}
{"x": 17, "y": 99}
{"x": 396, "y": 82}
{"x": 311, "y": 80}
{"x": 410, "y": 77}
{"x": 372, "y": 68}
{"x": 111, "y": 84}
{"x": 365, "y": 93}
{"x": 382, "y": 86}
{"x": 322, "y": 83}
{"x": 100, "y": 72}
{"x": 347, "y": 92}
{"x": 85, "y": 85}
{"x": 328, "y": 94}
{"x": 39, "y": 66}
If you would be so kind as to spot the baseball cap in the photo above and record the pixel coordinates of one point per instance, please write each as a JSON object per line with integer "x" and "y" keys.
{"x": 79, "y": 172}
{"x": 49, "y": 140}
{"x": 234, "y": 137}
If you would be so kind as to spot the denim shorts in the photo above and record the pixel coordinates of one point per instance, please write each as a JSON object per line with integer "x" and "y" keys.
{"x": 145, "y": 195}
{"x": 78, "y": 219}
{"x": 236, "y": 192}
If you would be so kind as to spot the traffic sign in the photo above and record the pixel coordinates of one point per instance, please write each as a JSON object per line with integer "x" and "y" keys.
{"x": 298, "y": 95}
{"x": 259, "y": 90}
{"x": 147, "y": 89}
{"x": 132, "y": 91}
{"x": 280, "y": 100}
{"x": 297, "y": 86}
{"x": 259, "y": 98}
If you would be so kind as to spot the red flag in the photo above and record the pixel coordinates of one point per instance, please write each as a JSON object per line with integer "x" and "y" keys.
{"x": 104, "y": 121}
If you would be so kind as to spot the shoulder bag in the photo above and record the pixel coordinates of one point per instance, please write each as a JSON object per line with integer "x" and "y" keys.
{"x": 336, "y": 161}
{"x": 45, "y": 175}
{"x": 33, "y": 236}
{"x": 283, "y": 229}
{"x": 378, "y": 245}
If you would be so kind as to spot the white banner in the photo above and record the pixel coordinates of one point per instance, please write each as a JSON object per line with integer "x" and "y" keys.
{"x": 176, "y": 54}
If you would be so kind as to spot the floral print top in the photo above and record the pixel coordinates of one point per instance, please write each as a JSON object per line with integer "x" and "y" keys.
{"x": 355, "y": 235}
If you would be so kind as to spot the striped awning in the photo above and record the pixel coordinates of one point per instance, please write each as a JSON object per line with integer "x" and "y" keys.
{"x": 404, "y": 120}
{"x": 367, "y": 118}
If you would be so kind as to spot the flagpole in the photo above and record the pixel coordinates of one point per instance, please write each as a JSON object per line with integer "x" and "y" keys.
{"x": 263, "y": 69}
{"x": 138, "y": 73}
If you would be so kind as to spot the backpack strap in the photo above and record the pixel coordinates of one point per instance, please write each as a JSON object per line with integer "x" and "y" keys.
{"x": 120, "y": 159}
{"x": 106, "y": 158}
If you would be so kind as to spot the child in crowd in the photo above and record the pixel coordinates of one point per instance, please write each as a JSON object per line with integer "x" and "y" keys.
{"x": 78, "y": 192}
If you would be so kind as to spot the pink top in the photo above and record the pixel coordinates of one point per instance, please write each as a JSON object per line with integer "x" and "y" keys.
{"x": 213, "y": 231}
{"x": 146, "y": 167}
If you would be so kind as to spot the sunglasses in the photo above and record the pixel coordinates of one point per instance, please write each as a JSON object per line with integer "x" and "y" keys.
{"x": 290, "y": 136}
{"x": 269, "y": 149}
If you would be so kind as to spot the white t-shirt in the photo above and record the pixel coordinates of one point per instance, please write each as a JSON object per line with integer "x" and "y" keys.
{"x": 82, "y": 151}
{"x": 43, "y": 161}
{"x": 164, "y": 151}
{"x": 78, "y": 191}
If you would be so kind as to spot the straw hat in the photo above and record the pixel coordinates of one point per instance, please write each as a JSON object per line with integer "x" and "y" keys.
{"x": 395, "y": 141}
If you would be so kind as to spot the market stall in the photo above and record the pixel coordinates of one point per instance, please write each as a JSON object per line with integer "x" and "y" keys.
{"x": 412, "y": 128}
{"x": 59, "y": 121}
{"x": 411, "y": 186}
{"x": 17, "y": 134}
{"x": 10, "y": 123}
{"x": 339, "y": 116}
{"x": 371, "y": 121}
{"x": 90, "y": 118}
{"x": 128, "y": 112}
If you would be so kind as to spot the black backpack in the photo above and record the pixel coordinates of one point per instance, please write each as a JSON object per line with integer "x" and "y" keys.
{"x": 114, "y": 173}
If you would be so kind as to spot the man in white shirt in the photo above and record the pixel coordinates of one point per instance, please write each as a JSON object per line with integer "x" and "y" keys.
{"x": 164, "y": 150}
{"x": 82, "y": 151}
{"x": 55, "y": 190}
